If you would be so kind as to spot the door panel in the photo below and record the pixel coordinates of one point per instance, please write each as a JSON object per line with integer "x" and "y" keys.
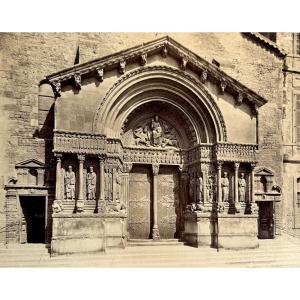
{"x": 168, "y": 202}
{"x": 139, "y": 210}
{"x": 266, "y": 220}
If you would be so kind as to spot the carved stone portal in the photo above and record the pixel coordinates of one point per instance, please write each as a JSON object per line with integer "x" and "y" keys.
{"x": 156, "y": 133}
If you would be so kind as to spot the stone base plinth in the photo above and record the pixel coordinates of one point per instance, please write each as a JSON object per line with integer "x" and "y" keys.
{"x": 237, "y": 231}
{"x": 200, "y": 229}
{"x": 84, "y": 233}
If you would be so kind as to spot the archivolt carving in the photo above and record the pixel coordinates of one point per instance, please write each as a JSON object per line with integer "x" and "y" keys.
{"x": 196, "y": 87}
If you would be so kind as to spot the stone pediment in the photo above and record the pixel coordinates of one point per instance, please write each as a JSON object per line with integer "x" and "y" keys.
{"x": 30, "y": 163}
{"x": 165, "y": 46}
{"x": 264, "y": 172}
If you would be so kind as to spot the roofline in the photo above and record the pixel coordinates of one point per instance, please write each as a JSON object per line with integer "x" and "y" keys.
{"x": 267, "y": 43}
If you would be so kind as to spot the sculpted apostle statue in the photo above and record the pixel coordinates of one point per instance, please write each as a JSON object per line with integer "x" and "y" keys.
{"x": 191, "y": 188}
{"x": 70, "y": 181}
{"x": 242, "y": 188}
{"x": 199, "y": 188}
{"x": 225, "y": 187}
{"x": 91, "y": 180}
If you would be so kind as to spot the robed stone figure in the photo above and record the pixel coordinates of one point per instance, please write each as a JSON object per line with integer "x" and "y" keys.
{"x": 199, "y": 188}
{"x": 225, "y": 187}
{"x": 69, "y": 183}
{"x": 242, "y": 188}
{"x": 91, "y": 180}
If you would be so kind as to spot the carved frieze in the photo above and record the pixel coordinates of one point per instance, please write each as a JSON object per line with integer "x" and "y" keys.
{"x": 77, "y": 81}
{"x": 143, "y": 59}
{"x": 79, "y": 143}
{"x": 236, "y": 152}
{"x": 151, "y": 156}
{"x": 100, "y": 74}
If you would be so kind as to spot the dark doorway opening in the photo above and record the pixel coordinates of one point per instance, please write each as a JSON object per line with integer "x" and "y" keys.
{"x": 33, "y": 219}
{"x": 266, "y": 220}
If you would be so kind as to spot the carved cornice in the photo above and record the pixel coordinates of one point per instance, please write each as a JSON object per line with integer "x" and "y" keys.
{"x": 165, "y": 46}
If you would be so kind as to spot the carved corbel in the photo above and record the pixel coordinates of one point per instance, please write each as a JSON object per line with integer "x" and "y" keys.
{"x": 143, "y": 59}
{"x": 240, "y": 98}
{"x": 254, "y": 110}
{"x": 203, "y": 76}
{"x": 77, "y": 80}
{"x": 100, "y": 74}
{"x": 56, "y": 85}
{"x": 183, "y": 63}
{"x": 223, "y": 86}
{"x": 164, "y": 51}
{"x": 122, "y": 66}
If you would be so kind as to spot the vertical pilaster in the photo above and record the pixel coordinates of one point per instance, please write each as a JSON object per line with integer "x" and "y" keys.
{"x": 126, "y": 170}
{"x": 204, "y": 169}
{"x": 80, "y": 201}
{"x": 58, "y": 177}
{"x": 101, "y": 178}
{"x": 254, "y": 208}
{"x": 155, "y": 230}
{"x": 40, "y": 177}
{"x": 219, "y": 168}
{"x": 236, "y": 182}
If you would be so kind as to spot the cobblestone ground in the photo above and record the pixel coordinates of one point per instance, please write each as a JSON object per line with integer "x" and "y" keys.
{"x": 281, "y": 252}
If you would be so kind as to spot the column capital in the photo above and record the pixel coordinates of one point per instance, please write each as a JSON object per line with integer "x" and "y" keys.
{"x": 102, "y": 157}
{"x": 219, "y": 164}
{"x": 81, "y": 157}
{"x": 58, "y": 156}
{"x": 253, "y": 165}
{"x": 127, "y": 167}
{"x": 155, "y": 169}
{"x": 236, "y": 165}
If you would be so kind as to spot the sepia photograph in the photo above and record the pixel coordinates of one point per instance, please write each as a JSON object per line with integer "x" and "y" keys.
{"x": 147, "y": 150}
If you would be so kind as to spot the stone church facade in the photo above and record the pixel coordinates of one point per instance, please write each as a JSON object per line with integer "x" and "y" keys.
{"x": 113, "y": 137}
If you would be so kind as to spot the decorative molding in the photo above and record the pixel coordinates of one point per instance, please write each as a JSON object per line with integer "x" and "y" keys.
{"x": 30, "y": 163}
{"x": 166, "y": 46}
{"x": 142, "y": 70}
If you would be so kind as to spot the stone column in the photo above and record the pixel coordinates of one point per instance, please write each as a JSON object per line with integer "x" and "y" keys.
{"x": 219, "y": 167}
{"x": 101, "y": 177}
{"x": 236, "y": 186}
{"x": 155, "y": 230}
{"x": 57, "y": 204}
{"x": 254, "y": 208}
{"x": 204, "y": 169}
{"x": 126, "y": 170}
{"x": 80, "y": 201}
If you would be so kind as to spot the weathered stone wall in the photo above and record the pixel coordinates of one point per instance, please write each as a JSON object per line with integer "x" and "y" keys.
{"x": 26, "y": 58}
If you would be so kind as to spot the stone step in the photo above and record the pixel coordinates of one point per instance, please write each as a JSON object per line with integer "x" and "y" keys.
{"x": 150, "y": 242}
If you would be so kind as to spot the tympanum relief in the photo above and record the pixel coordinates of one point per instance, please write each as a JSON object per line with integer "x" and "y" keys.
{"x": 155, "y": 133}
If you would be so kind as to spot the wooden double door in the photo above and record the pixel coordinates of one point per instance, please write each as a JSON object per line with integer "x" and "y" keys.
{"x": 140, "y": 202}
